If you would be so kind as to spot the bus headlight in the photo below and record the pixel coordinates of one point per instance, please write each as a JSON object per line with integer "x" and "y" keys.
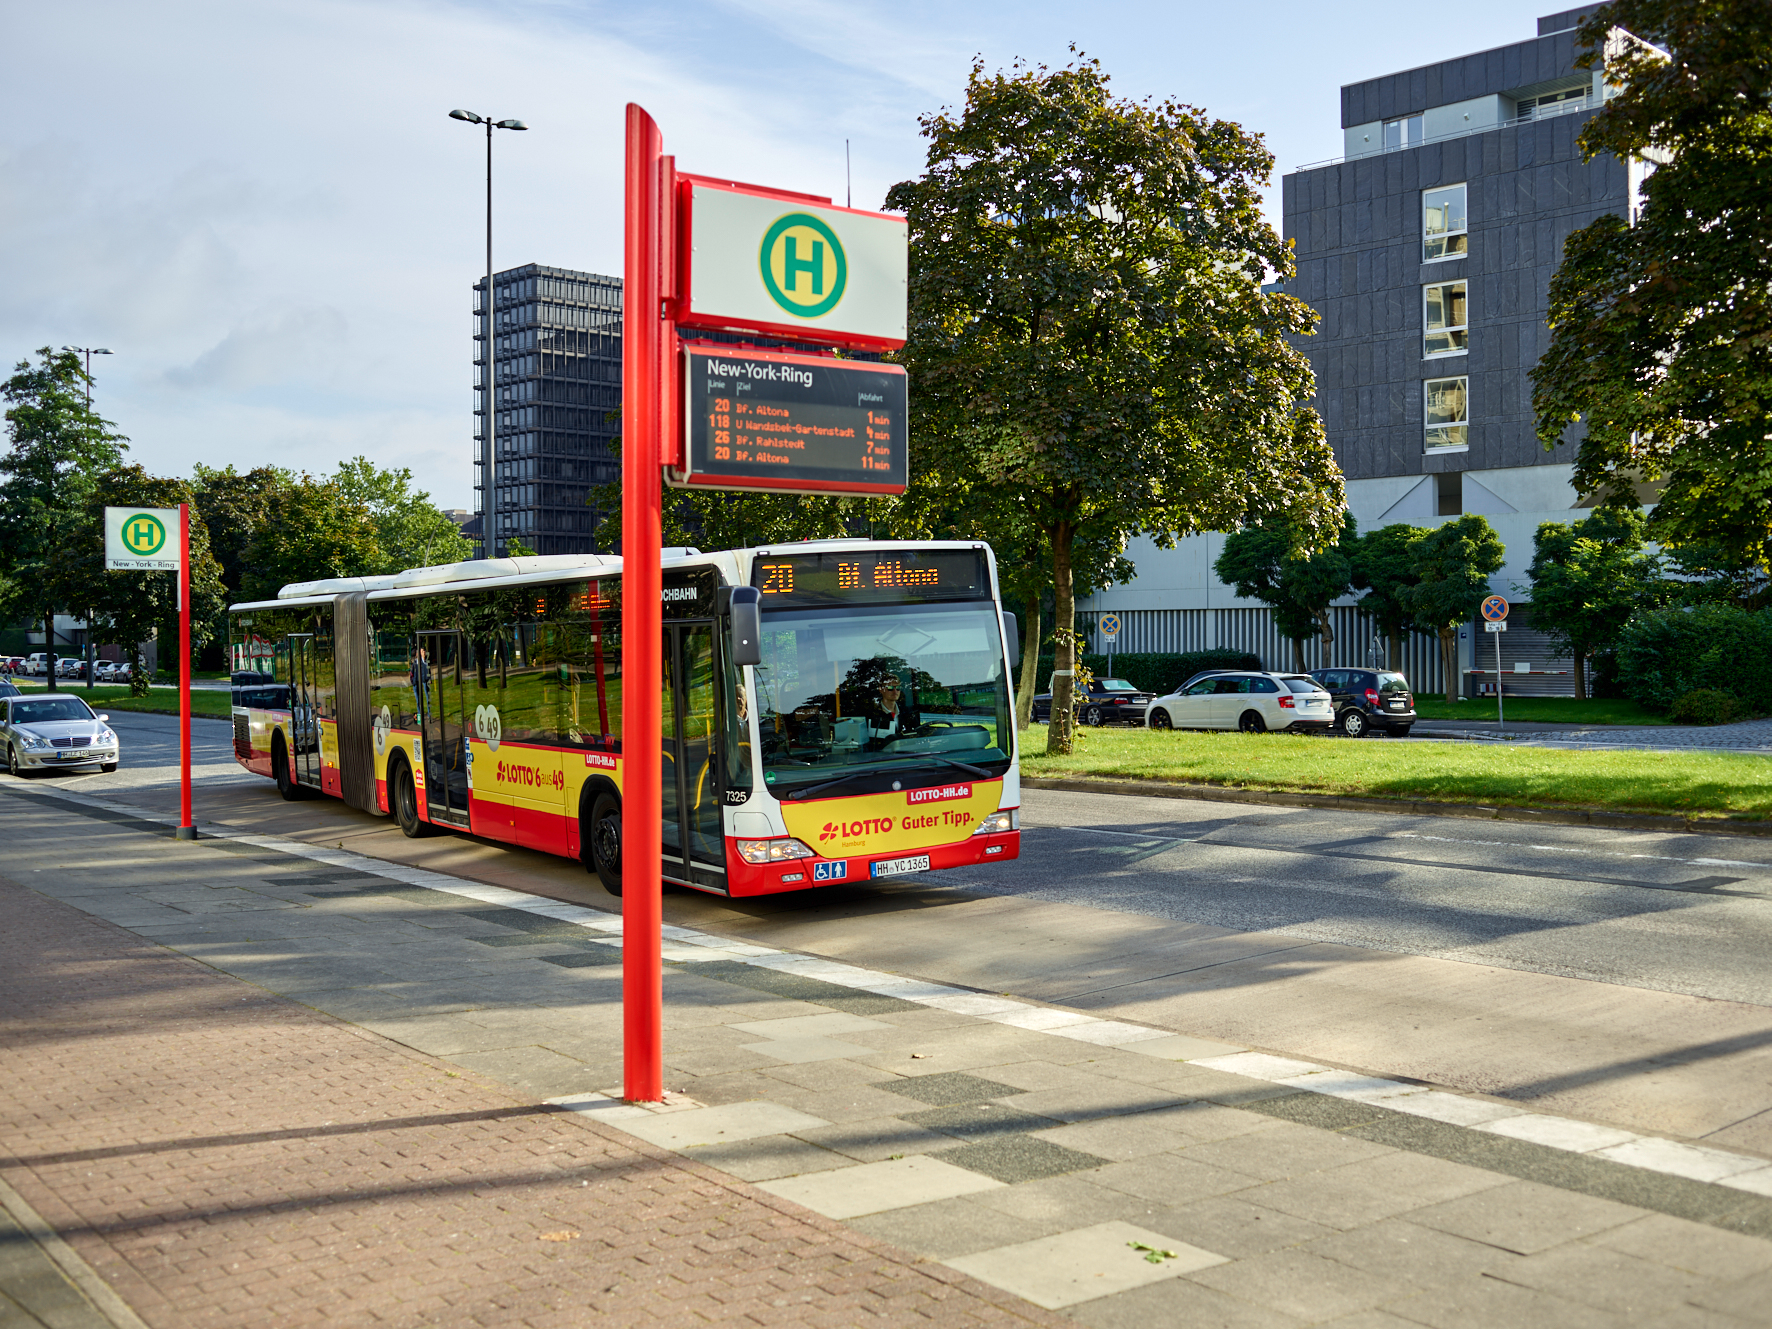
{"x": 1007, "y": 820}
{"x": 761, "y": 852}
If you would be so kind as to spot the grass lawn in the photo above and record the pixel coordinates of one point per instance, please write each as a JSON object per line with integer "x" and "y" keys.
{"x": 1545, "y": 710}
{"x": 115, "y": 697}
{"x": 1691, "y": 784}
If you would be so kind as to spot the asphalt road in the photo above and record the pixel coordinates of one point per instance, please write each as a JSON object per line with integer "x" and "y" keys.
{"x": 1676, "y": 913}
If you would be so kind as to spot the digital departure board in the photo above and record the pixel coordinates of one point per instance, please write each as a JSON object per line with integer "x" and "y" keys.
{"x": 778, "y": 421}
{"x": 874, "y": 576}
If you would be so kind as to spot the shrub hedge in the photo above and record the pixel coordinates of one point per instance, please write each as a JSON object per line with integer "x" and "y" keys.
{"x": 1154, "y": 671}
{"x": 1708, "y": 706}
{"x": 1663, "y": 654}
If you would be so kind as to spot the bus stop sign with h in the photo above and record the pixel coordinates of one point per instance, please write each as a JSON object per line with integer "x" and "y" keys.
{"x": 707, "y": 255}
{"x": 159, "y": 540}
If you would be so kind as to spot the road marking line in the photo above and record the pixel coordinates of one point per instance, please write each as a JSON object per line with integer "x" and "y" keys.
{"x": 1568, "y": 849}
{"x": 1645, "y": 1152}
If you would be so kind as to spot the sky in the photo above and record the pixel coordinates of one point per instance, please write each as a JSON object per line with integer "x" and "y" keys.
{"x": 265, "y": 212}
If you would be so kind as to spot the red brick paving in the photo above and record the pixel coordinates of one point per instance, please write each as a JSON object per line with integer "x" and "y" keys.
{"x": 222, "y": 1157}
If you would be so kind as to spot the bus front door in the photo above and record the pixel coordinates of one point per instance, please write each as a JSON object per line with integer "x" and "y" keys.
{"x": 304, "y": 722}
{"x": 437, "y": 683}
{"x": 693, "y": 832}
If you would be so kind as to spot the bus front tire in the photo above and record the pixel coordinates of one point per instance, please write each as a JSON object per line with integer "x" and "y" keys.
{"x": 404, "y": 796}
{"x": 602, "y": 841}
{"x": 286, "y": 784}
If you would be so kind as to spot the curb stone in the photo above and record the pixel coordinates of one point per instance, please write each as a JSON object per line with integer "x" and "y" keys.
{"x": 1622, "y": 821}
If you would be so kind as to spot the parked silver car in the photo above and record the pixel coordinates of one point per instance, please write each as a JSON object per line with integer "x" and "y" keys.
{"x": 1254, "y": 703}
{"x": 47, "y": 733}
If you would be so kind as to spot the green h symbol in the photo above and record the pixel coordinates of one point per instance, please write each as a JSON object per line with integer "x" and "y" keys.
{"x": 792, "y": 263}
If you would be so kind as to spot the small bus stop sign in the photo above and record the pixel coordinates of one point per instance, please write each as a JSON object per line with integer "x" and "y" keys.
{"x": 1495, "y": 609}
{"x": 1108, "y": 625}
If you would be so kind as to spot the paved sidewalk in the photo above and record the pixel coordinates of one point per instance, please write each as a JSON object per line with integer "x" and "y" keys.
{"x": 1747, "y": 736}
{"x": 222, "y": 1156}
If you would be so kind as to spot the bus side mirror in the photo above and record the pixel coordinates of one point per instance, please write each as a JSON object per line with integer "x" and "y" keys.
{"x": 1012, "y": 637}
{"x": 747, "y": 626}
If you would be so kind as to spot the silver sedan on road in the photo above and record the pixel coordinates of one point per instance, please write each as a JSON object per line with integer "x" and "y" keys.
{"x": 45, "y": 733}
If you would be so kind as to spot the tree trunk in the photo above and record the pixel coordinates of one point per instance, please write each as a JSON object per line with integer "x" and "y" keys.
{"x": 1064, "y": 661}
{"x": 1298, "y": 655}
{"x": 1327, "y": 627}
{"x": 49, "y": 645}
{"x": 1449, "y": 662}
{"x": 1396, "y": 644}
{"x": 1030, "y": 665}
{"x": 1580, "y": 671}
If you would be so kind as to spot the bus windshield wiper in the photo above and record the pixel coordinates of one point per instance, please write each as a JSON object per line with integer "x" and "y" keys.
{"x": 810, "y": 790}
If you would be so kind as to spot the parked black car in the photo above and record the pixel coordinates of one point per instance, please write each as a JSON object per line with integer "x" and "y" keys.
{"x": 1367, "y": 699}
{"x": 1108, "y": 701}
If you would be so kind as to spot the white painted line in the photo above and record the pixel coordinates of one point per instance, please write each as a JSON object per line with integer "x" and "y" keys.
{"x": 1679, "y": 1160}
{"x": 1453, "y": 1109}
{"x": 1109, "y": 1033}
{"x": 1259, "y": 1066}
{"x": 1759, "y": 1181}
{"x": 1578, "y": 1137}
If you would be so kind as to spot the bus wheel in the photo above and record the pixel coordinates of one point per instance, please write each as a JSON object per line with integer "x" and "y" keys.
{"x": 286, "y": 784}
{"x": 404, "y": 793}
{"x": 603, "y": 842}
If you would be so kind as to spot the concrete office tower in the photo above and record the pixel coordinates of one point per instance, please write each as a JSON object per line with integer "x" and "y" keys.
{"x": 556, "y": 391}
{"x": 1428, "y": 250}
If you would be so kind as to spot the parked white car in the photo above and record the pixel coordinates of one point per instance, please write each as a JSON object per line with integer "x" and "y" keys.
{"x": 48, "y": 732}
{"x": 1253, "y": 703}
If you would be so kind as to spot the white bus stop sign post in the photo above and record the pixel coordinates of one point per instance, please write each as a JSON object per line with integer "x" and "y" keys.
{"x": 1495, "y": 623}
{"x": 159, "y": 540}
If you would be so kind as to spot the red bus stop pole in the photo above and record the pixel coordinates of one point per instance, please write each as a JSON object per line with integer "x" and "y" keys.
{"x": 186, "y": 830}
{"x": 642, "y": 612}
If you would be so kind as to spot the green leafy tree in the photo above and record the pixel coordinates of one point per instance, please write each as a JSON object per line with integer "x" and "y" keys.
{"x": 311, "y": 529}
{"x": 412, "y": 531}
{"x": 1661, "y": 329}
{"x": 56, "y": 449}
{"x": 1267, "y": 563}
{"x": 1588, "y": 578}
{"x": 1454, "y": 563}
{"x": 129, "y": 607}
{"x": 1384, "y": 568}
{"x": 1088, "y": 332}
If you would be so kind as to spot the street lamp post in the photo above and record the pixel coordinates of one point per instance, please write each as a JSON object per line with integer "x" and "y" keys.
{"x": 88, "y": 352}
{"x": 489, "y": 473}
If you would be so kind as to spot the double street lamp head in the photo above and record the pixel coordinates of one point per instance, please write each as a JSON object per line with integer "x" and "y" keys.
{"x": 473, "y": 119}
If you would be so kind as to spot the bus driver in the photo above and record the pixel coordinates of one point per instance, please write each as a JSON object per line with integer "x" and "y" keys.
{"x": 888, "y": 713}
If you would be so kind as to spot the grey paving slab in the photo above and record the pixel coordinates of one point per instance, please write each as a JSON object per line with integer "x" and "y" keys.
{"x": 946, "y": 1228}
{"x": 822, "y": 1075}
{"x": 1366, "y": 1192}
{"x": 1018, "y": 1158}
{"x": 1084, "y": 1263}
{"x": 1746, "y": 1299}
{"x": 980, "y": 1121}
{"x": 1169, "y": 1180}
{"x": 1695, "y": 1247}
{"x": 1490, "y": 1301}
{"x": 769, "y": 1157}
{"x": 1606, "y": 1278}
{"x": 1285, "y": 1151}
{"x": 873, "y": 1139}
{"x": 1524, "y": 1216}
{"x": 871, "y": 1188}
{"x": 1069, "y": 1201}
{"x": 1397, "y": 1248}
{"x": 1232, "y": 1225}
{"x": 1180, "y": 1302}
{"x": 1306, "y": 1286}
{"x": 1096, "y": 1098}
{"x": 721, "y": 1125}
{"x": 1116, "y": 1138}
{"x": 947, "y": 1088}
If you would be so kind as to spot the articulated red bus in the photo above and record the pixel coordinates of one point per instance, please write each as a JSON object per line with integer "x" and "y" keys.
{"x": 875, "y": 738}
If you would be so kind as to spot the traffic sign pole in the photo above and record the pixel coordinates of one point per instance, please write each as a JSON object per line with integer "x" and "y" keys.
{"x": 644, "y": 346}
{"x": 187, "y": 830}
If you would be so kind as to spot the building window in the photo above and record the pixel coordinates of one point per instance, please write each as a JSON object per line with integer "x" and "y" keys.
{"x": 1445, "y": 320}
{"x": 1443, "y": 223}
{"x": 1403, "y": 133}
{"x": 1448, "y": 412}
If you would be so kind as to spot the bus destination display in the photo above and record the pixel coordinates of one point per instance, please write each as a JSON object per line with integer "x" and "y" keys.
{"x": 878, "y": 576}
{"x": 800, "y": 423}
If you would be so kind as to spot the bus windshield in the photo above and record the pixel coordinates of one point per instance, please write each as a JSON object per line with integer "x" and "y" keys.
{"x": 900, "y": 689}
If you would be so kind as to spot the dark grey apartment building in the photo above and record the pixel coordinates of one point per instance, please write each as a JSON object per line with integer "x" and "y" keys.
{"x": 556, "y": 390}
{"x": 1427, "y": 249}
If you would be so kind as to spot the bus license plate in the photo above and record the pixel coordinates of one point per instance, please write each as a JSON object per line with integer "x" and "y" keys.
{"x": 898, "y": 867}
